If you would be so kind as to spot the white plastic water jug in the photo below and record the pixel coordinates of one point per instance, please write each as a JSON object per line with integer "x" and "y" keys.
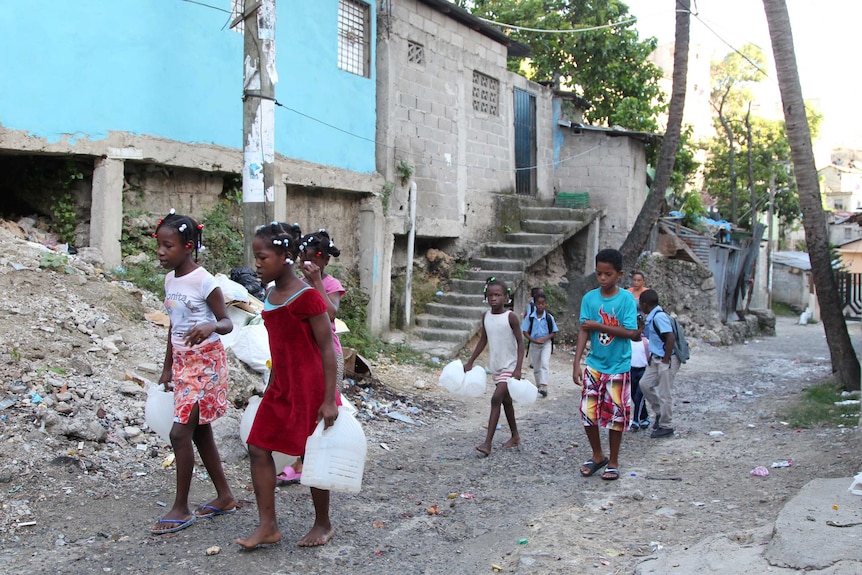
{"x": 521, "y": 390}
{"x": 159, "y": 411}
{"x": 282, "y": 460}
{"x": 335, "y": 458}
{"x": 452, "y": 376}
{"x": 474, "y": 382}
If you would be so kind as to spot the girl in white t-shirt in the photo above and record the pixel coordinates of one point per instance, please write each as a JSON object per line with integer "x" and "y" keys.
{"x": 195, "y": 368}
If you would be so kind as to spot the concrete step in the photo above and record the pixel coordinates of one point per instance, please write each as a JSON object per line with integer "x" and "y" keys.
{"x": 532, "y": 238}
{"x": 462, "y": 299}
{"x": 566, "y": 227}
{"x": 449, "y": 335}
{"x": 481, "y": 276}
{"x": 443, "y": 322}
{"x": 538, "y": 213}
{"x": 525, "y": 253}
{"x": 468, "y": 285}
{"x": 498, "y": 264}
{"x": 447, "y": 310}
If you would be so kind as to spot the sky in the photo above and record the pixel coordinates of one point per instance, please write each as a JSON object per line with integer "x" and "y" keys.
{"x": 826, "y": 38}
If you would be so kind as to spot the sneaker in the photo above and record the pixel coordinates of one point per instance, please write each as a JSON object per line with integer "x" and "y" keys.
{"x": 635, "y": 426}
{"x": 662, "y": 432}
{"x": 644, "y": 423}
{"x": 543, "y": 390}
{"x": 657, "y": 421}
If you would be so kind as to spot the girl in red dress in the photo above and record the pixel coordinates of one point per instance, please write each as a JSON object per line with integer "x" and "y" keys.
{"x": 301, "y": 389}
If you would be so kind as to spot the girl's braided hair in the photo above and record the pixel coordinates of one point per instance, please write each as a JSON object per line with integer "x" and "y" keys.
{"x": 190, "y": 231}
{"x": 285, "y": 239}
{"x": 321, "y": 243}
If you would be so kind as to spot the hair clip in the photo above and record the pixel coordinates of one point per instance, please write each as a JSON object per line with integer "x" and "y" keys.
{"x": 321, "y": 230}
{"x": 200, "y": 226}
{"x": 172, "y": 212}
{"x": 288, "y": 261}
{"x": 182, "y": 228}
{"x": 277, "y": 242}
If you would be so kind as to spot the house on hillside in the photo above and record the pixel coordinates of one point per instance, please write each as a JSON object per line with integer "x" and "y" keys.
{"x": 477, "y": 141}
{"x": 146, "y": 99}
{"x": 842, "y": 186}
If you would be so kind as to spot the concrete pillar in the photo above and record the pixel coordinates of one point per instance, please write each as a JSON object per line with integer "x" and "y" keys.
{"x": 375, "y": 262}
{"x": 592, "y": 245}
{"x": 106, "y": 213}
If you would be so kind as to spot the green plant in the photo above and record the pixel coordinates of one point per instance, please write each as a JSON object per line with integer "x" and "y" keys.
{"x": 405, "y": 171}
{"x": 223, "y": 234}
{"x": 146, "y": 275}
{"x": 782, "y": 309}
{"x": 817, "y": 408}
{"x": 353, "y": 311}
{"x": 386, "y": 195}
{"x": 507, "y": 229}
{"x": 459, "y": 269}
{"x": 558, "y": 299}
{"x": 56, "y": 262}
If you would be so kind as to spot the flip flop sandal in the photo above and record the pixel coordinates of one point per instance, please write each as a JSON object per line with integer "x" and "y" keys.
{"x": 212, "y": 511}
{"x": 593, "y": 466}
{"x": 611, "y": 474}
{"x": 183, "y": 523}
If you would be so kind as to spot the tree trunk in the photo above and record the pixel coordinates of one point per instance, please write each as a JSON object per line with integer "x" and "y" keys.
{"x": 655, "y": 201}
{"x": 845, "y": 364}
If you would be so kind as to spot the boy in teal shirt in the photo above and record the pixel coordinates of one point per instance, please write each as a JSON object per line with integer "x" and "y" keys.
{"x": 609, "y": 321}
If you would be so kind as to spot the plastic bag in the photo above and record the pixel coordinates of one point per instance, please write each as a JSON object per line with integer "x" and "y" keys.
{"x": 474, "y": 382}
{"x": 247, "y": 278}
{"x": 251, "y": 346}
{"x": 521, "y": 390}
{"x": 231, "y": 290}
{"x": 452, "y": 377}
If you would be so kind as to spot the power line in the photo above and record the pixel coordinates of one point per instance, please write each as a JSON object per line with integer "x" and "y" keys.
{"x": 568, "y": 31}
{"x": 206, "y": 5}
{"x": 419, "y": 155}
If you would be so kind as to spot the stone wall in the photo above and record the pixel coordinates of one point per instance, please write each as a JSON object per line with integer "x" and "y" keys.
{"x": 688, "y": 292}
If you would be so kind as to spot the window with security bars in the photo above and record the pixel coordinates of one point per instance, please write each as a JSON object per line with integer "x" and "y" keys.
{"x": 415, "y": 53}
{"x": 237, "y": 7}
{"x": 354, "y": 37}
{"x": 486, "y": 94}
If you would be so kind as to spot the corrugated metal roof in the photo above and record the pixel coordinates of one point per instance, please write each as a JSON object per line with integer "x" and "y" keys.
{"x": 797, "y": 260}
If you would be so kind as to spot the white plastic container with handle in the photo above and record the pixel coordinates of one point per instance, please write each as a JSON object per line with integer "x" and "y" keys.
{"x": 452, "y": 377}
{"x": 521, "y": 390}
{"x": 282, "y": 460}
{"x": 159, "y": 411}
{"x": 335, "y": 457}
{"x": 474, "y": 382}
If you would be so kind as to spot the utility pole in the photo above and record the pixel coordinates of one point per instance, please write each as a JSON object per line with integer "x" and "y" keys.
{"x": 258, "y": 118}
{"x": 771, "y": 223}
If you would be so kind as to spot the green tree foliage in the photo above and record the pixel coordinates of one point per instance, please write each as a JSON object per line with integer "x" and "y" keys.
{"x": 607, "y": 67}
{"x": 771, "y": 156}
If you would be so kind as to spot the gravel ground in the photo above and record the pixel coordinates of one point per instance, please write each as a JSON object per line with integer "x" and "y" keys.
{"x": 81, "y": 477}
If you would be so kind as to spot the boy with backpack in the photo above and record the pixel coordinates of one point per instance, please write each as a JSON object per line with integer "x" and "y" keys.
{"x": 539, "y": 328}
{"x": 666, "y": 351}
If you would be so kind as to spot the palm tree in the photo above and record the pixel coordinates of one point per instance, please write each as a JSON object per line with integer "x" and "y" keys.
{"x": 651, "y": 210}
{"x": 844, "y": 361}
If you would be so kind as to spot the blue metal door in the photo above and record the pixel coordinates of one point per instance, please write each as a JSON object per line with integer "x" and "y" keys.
{"x": 525, "y": 143}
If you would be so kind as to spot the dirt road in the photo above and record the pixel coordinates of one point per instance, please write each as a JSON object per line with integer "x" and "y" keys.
{"x": 429, "y": 505}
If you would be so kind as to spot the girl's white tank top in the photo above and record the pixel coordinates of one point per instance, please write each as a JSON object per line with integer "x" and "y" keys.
{"x": 502, "y": 345}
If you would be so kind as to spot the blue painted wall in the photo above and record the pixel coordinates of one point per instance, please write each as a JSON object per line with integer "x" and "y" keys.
{"x": 172, "y": 69}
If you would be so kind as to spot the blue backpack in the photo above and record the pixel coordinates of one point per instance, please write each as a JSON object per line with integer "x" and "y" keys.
{"x": 680, "y": 345}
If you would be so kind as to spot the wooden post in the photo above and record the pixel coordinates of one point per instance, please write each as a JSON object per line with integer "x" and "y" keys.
{"x": 771, "y": 223}
{"x": 258, "y": 120}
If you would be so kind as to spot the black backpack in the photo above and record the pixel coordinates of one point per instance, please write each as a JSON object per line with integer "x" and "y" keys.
{"x": 548, "y": 318}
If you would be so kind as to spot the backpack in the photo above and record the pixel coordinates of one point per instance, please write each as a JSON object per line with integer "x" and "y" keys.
{"x": 548, "y": 318}
{"x": 680, "y": 345}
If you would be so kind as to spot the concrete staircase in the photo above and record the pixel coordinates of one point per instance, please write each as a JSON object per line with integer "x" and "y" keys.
{"x": 449, "y": 323}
